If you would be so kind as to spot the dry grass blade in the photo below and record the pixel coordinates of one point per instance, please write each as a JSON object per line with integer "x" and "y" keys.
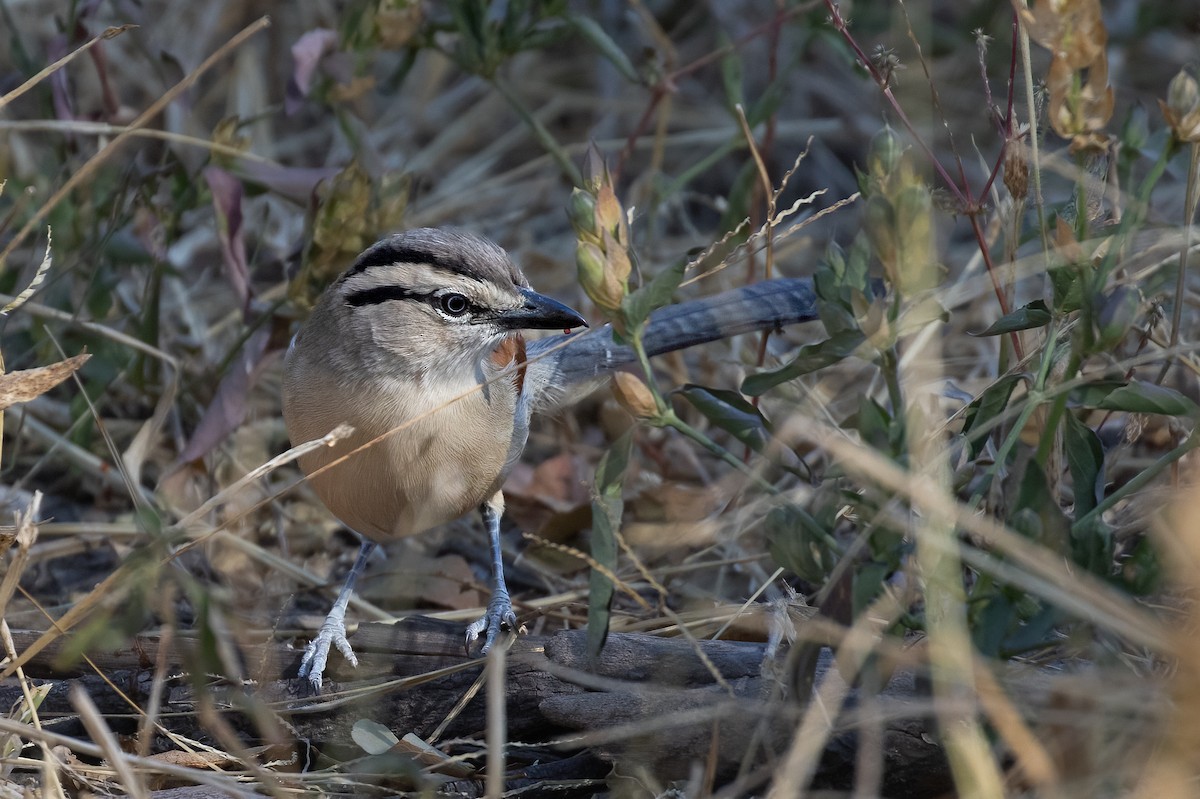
{"x": 497, "y": 695}
{"x": 432, "y": 758}
{"x": 89, "y": 714}
{"x": 1037, "y": 570}
{"x": 1033, "y": 760}
{"x": 814, "y": 729}
{"x": 104, "y": 472}
{"x": 92, "y": 328}
{"x": 38, "y": 278}
{"x": 25, "y": 712}
{"x": 28, "y": 384}
{"x": 25, "y": 533}
{"x": 1172, "y": 771}
{"x": 227, "y": 785}
{"x": 85, "y": 172}
{"x": 79, "y": 126}
{"x": 328, "y": 440}
{"x": 62, "y": 62}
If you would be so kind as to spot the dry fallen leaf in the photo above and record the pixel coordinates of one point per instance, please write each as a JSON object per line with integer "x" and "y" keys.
{"x": 27, "y": 384}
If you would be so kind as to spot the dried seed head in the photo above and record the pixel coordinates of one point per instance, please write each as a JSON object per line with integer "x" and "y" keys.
{"x": 1016, "y": 170}
{"x": 1182, "y": 108}
{"x": 609, "y": 216}
{"x": 634, "y": 395}
{"x": 595, "y": 173}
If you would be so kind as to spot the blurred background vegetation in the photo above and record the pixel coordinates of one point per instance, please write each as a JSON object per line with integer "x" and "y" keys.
{"x": 982, "y": 448}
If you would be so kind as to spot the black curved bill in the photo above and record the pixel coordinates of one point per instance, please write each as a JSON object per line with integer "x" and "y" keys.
{"x": 540, "y": 313}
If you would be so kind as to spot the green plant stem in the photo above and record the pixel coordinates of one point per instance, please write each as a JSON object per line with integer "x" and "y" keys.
{"x": 889, "y": 366}
{"x": 1035, "y": 164}
{"x": 540, "y": 132}
{"x": 1033, "y": 400}
{"x": 1050, "y": 429}
{"x": 1138, "y": 210}
{"x": 1138, "y": 482}
{"x": 1081, "y": 195}
{"x": 670, "y": 419}
{"x": 703, "y": 166}
{"x": 1189, "y": 220}
{"x": 639, "y": 350}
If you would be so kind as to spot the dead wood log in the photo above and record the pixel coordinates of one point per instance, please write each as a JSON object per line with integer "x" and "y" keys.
{"x": 645, "y": 700}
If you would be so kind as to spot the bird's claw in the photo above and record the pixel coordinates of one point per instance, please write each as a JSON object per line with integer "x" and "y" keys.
{"x": 498, "y": 618}
{"x": 316, "y": 654}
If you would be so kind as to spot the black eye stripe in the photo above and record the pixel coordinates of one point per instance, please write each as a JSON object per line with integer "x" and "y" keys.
{"x": 378, "y": 294}
{"x": 381, "y": 294}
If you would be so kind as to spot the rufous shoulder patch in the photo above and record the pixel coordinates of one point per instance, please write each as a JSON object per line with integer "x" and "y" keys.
{"x": 512, "y": 351}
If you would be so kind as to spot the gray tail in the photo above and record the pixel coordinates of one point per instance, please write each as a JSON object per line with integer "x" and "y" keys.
{"x": 560, "y": 367}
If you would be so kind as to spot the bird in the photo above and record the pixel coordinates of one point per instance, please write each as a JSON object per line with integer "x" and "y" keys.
{"x": 418, "y": 346}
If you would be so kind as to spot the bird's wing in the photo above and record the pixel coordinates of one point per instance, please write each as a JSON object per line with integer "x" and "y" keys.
{"x": 563, "y": 368}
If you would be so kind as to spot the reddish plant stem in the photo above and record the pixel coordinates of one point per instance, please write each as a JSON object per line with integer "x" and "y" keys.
{"x": 969, "y": 205}
{"x": 667, "y": 82}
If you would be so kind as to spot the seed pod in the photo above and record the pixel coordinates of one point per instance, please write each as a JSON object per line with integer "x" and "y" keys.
{"x": 609, "y": 216}
{"x": 1116, "y": 316}
{"x": 884, "y": 153}
{"x": 879, "y": 221}
{"x": 597, "y": 278}
{"x": 1182, "y": 108}
{"x": 634, "y": 395}
{"x": 914, "y": 239}
{"x": 582, "y": 211}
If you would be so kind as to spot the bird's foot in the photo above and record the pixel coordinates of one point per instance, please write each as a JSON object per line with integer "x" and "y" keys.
{"x": 332, "y": 633}
{"x": 498, "y": 617}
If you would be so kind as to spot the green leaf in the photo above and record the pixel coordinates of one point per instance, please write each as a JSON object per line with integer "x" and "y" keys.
{"x": 1093, "y": 393}
{"x": 1138, "y": 396}
{"x": 811, "y": 358}
{"x": 474, "y": 41}
{"x": 868, "y": 584}
{"x": 638, "y": 306}
{"x": 1092, "y": 546}
{"x": 875, "y": 425}
{"x": 986, "y": 407}
{"x": 1035, "y": 314}
{"x": 1067, "y": 284}
{"x": 1036, "y": 512}
{"x": 1036, "y": 633}
{"x": 1142, "y": 571}
{"x": 607, "y": 506}
{"x": 798, "y": 543}
{"x": 767, "y": 103}
{"x": 991, "y": 624}
{"x": 589, "y": 29}
{"x": 1085, "y": 457}
{"x": 731, "y": 72}
{"x": 731, "y": 412}
{"x": 372, "y": 737}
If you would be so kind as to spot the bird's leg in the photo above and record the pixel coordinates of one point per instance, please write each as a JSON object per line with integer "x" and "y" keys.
{"x": 333, "y": 631}
{"x": 499, "y": 615}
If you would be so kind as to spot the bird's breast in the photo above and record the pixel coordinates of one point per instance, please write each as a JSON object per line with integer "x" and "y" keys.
{"x": 420, "y": 456}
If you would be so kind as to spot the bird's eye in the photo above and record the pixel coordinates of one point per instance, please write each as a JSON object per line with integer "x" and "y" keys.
{"x": 454, "y": 304}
